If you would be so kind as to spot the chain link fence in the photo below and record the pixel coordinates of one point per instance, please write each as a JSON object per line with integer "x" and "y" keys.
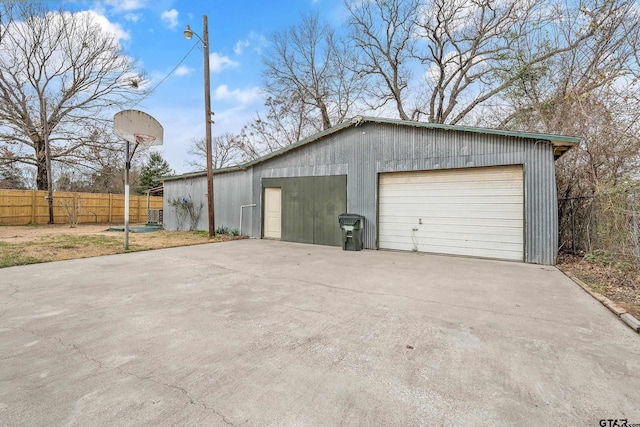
{"x": 605, "y": 222}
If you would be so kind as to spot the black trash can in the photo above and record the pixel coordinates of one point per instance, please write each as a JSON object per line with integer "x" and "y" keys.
{"x": 352, "y": 226}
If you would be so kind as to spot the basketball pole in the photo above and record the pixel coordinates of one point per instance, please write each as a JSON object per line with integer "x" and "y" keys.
{"x": 134, "y": 126}
{"x": 127, "y": 165}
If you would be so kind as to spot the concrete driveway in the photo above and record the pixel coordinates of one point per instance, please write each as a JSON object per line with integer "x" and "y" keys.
{"x": 259, "y": 333}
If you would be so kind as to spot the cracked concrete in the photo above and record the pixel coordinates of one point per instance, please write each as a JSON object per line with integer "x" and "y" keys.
{"x": 260, "y": 333}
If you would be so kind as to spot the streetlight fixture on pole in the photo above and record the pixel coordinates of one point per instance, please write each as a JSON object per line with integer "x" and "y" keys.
{"x": 188, "y": 34}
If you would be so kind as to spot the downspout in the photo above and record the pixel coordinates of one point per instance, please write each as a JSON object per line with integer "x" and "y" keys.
{"x": 241, "y": 212}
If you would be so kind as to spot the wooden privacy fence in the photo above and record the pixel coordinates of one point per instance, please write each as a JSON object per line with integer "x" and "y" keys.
{"x": 20, "y": 207}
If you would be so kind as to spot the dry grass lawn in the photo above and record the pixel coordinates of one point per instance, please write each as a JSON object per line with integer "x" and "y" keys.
{"x": 618, "y": 281}
{"x": 20, "y": 245}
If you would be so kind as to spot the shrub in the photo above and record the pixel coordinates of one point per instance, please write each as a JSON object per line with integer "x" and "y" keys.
{"x": 222, "y": 230}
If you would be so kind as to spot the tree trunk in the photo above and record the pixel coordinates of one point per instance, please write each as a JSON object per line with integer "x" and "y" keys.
{"x": 326, "y": 121}
{"x": 401, "y": 112}
{"x": 41, "y": 164}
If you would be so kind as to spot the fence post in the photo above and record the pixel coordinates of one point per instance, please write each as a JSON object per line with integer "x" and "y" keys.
{"x": 110, "y": 207}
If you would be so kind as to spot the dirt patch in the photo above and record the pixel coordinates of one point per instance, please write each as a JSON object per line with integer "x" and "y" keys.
{"x": 616, "y": 280}
{"x": 20, "y": 245}
{"x": 21, "y": 234}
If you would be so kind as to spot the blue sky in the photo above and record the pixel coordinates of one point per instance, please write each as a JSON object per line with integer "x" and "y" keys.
{"x": 152, "y": 32}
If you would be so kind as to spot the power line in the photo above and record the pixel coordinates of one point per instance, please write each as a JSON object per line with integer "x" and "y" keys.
{"x": 165, "y": 77}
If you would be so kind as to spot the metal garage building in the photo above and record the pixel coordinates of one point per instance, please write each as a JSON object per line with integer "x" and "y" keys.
{"x": 420, "y": 186}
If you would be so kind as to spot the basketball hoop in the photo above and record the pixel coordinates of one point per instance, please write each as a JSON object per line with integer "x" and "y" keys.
{"x": 144, "y": 139}
{"x": 139, "y": 128}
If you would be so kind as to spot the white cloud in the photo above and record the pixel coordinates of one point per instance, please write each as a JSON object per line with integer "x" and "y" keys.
{"x": 256, "y": 40}
{"x": 110, "y": 27}
{"x": 243, "y": 96}
{"x": 170, "y": 17}
{"x": 259, "y": 41}
{"x": 219, "y": 62}
{"x": 240, "y": 46}
{"x": 183, "y": 70}
{"x": 133, "y": 17}
{"x": 126, "y": 5}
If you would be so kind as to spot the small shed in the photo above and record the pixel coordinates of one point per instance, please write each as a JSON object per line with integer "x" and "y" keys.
{"x": 420, "y": 186}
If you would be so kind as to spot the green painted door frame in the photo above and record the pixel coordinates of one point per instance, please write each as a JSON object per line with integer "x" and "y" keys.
{"x": 310, "y": 208}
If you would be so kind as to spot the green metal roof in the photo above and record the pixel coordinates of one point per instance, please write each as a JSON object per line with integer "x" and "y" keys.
{"x": 184, "y": 176}
{"x": 561, "y": 144}
{"x": 537, "y": 136}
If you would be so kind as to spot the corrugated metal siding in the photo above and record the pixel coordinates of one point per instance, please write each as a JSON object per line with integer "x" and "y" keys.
{"x": 194, "y": 189}
{"x": 541, "y": 208}
{"x": 363, "y": 152}
{"x": 230, "y": 192}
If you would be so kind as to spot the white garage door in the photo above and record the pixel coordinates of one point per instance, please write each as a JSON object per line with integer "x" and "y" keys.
{"x": 473, "y": 211}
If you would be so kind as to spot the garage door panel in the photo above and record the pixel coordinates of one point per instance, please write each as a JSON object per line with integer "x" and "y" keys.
{"x": 435, "y": 215}
{"x": 444, "y": 176}
{"x": 399, "y": 229}
{"x": 483, "y": 252}
{"x": 507, "y": 243}
{"x": 472, "y": 192}
{"x": 512, "y": 235}
{"x": 499, "y": 196}
{"x": 471, "y": 246}
{"x": 492, "y": 182}
{"x": 487, "y": 183}
{"x": 502, "y": 252}
{"x": 475, "y": 212}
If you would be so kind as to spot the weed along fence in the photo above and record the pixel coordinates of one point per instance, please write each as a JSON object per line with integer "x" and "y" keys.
{"x": 21, "y": 207}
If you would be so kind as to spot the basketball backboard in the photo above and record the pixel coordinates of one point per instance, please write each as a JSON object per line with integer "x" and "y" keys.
{"x": 138, "y": 127}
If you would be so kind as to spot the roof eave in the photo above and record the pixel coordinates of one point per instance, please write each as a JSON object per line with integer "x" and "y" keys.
{"x": 561, "y": 147}
{"x": 183, "y": 176}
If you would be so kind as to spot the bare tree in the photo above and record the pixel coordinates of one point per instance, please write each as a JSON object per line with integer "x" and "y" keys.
{"x": 66, "y": 65}
{"x": 586, "y": 63}
{"x": 73, "y": 209}
{"x": 307, "y": 64}
{"x": 591, "y": 91}
{"x": 225, "y": 152}
{"x": 12, "y": 177}
{"x": 465, "y": 44}
{"x": 285, "y": 122}
{"x": 444, "y": 59}
{"x": 383, "y": 32}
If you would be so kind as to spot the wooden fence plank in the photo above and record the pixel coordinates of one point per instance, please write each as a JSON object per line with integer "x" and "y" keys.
{"x": 33, "y": 207}
{"x": 21, "y": 207}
